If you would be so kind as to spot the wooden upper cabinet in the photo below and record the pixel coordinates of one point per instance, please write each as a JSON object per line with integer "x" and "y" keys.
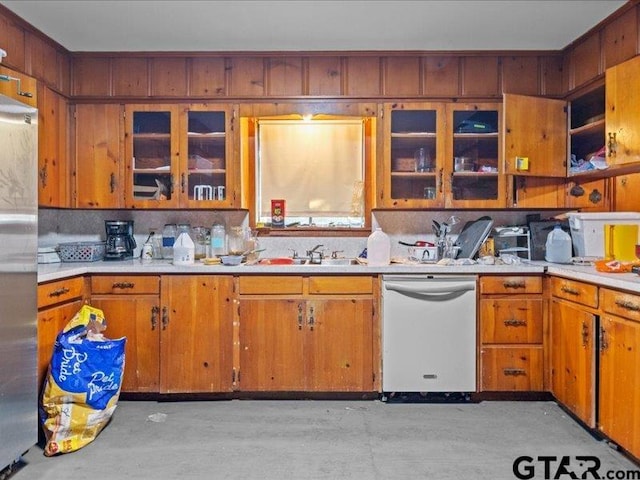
{"x": 207, "y": 77}
{"x": 27, "y": 85}
{"x": 402, "y": 76}
{"x": 441, "y": 74}
{"x": 535, "y": 128}
{"x": 42, "y": 61}
{"x": 520, "y": 75}
{"x": 284, "y": 76}
{"x": 246, "y": 76}
{"x": 622, "y": 115}
{"x": 169, "y": 77}
{"x": 91, "y": 76}
{"x": 53, "y": 152}
{"x": 99, "y": 156}
{"x": 12, "y": 39}
{"x": 325, "y": 76}
{"x": 363, "y": 77}
{"x": 480, "y": 76}
{"x": 584, "y": 61}
{"x": 620, "y": 38}
{"x": 130, "y": 77}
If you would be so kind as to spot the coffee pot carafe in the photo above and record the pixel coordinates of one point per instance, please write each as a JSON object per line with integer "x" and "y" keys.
{"x": 120, "y": 243}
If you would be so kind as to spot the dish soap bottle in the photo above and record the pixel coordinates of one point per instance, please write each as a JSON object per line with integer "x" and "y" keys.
{"x": 558, "y": 246}
{"x": 183, "y": 248}
{"x": 378, "y": 249}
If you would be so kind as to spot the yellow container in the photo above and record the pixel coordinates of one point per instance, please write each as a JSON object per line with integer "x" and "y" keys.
{"x": 620, "y": 242}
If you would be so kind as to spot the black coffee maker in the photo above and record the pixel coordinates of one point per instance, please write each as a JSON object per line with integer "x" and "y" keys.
{"x": 120, "y": 242}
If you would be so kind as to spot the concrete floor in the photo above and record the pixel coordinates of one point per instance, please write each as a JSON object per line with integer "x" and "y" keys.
{"x": 312, "y": 439}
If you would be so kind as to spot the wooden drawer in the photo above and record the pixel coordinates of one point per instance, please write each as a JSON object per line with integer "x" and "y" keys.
{"x": 582, "y": 293}
{"x": 510, "y": 369}
{"x": 125, "y": 284}
{"x": 510, "y": 284}
{"x": 341, "y": 285}
{"x": 509, "y": 320}
{"x": 270, "y": 285}
{"x": 622, "y": 304}
{"x": 60, "y": 291}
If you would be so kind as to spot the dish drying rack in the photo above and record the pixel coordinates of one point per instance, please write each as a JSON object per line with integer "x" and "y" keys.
{"x": 513, "y": 240}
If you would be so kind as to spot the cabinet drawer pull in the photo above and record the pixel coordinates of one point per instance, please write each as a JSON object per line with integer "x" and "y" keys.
{"x": 569, "y": 290}
{"x": 514, "y": 284}
{"x": 155, "y": 311}
{"x": 627, "y": 305}
{"x": 515, "y": 323}
{"x": 59, "y": 291}
{"x": 123, "y": 285}
{"x": 514, "y": 372}
{"x": 165, "y": 318}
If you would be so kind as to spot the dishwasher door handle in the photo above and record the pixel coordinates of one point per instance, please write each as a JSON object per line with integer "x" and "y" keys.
{"x": 427, "y": 290}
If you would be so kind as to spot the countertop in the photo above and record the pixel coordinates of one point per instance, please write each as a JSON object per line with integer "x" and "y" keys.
{"x": 57, "y": 271}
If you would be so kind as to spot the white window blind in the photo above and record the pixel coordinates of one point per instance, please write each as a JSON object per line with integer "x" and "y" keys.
{"x": 314, "y": 165}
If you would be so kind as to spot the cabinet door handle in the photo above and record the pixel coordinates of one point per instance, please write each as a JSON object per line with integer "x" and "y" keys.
{"x": 183, "y": 181}
{"x": 312, "y": 319}
{"x": 612, "y": 144}
{"x": 585, "y": 334}
{"x": 514, "y": 372}
{"x": 515, "y": 323}
{"x": 112, "y": 182}
{"x": 627, "y": 305}
{"x": 603, "y": 339}
{"x": 299, "y": 316}
{"x": 123, "y": 285}
{"x": 59, "y": 291}
{"x": 514, "y": 284}
{"x": 43, "y": 175}
{"x": 165, "y": 318}
{"x": 569, "y": 290}
{"x": 440, "y": 181}
{"x": 171, "y": 183}
{"x": 155, "y": 311}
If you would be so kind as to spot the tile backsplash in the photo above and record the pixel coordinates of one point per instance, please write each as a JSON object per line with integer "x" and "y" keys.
{"x": 57, "y": 226}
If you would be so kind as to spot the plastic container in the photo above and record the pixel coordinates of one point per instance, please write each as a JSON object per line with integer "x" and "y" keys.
{"x": 169, "y": 233}
{"x": 184, "y": 248}
{"x": 218, "y": 240}
{"x": 378, "y": 249}
{"x": 558, "y": 246}
{"x": 587, "y": 230}
{"x": 81, "y": 251}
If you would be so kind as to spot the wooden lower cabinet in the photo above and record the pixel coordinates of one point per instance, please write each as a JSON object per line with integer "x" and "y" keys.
{"x": 511, "y": 334}
{"x": 58, "y": 302}
{"x": 131, "y": 308}
{"x": 573, "y": 359}
{"x": 178, "y": 329}
{"x": 619, "y": 392}
{"x": 313, "y": 341}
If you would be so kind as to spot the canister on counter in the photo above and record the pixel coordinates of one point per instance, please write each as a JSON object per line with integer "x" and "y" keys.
{"x": 277, "y": 213}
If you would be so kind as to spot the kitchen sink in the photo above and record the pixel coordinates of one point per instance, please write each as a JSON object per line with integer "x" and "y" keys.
{"x": 296, "y": 262}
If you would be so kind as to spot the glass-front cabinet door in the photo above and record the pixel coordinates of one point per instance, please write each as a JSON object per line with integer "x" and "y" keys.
{"x": 413, "y": 147}
{"x": 151, "y": 133}
{"x": 205, "y": 176}
{"x": 179, "y": 156}
{"x": 473, "y": 165}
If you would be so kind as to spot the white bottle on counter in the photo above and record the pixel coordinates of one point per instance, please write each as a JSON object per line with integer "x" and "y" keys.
{"x": 378, "y": 249}
{"x": 558, "y": 246}
{"x": 184, "y": 248}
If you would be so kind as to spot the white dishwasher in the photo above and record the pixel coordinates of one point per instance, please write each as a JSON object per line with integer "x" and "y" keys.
{"x": 429, "y": 333}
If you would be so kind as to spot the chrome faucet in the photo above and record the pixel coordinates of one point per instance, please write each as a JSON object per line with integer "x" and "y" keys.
{"x": 314, "y": 255}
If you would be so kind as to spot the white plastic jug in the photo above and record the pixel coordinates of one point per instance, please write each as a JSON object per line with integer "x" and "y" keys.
{"x": 558, "y": 246}
{"x": 378, "y": 249}
{"x": 183, "y": 250}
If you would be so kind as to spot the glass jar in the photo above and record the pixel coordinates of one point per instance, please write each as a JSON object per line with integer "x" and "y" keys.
{"x": 237, "y": 240}
{"x": 200, "y": 239}
{"x": 218, "y": 240}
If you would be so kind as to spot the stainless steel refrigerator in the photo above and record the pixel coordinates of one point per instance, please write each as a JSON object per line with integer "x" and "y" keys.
{"x": 18, "y": 279}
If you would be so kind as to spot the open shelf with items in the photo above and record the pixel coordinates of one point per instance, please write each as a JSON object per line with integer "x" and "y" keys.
{"x": 586, "y": 131}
